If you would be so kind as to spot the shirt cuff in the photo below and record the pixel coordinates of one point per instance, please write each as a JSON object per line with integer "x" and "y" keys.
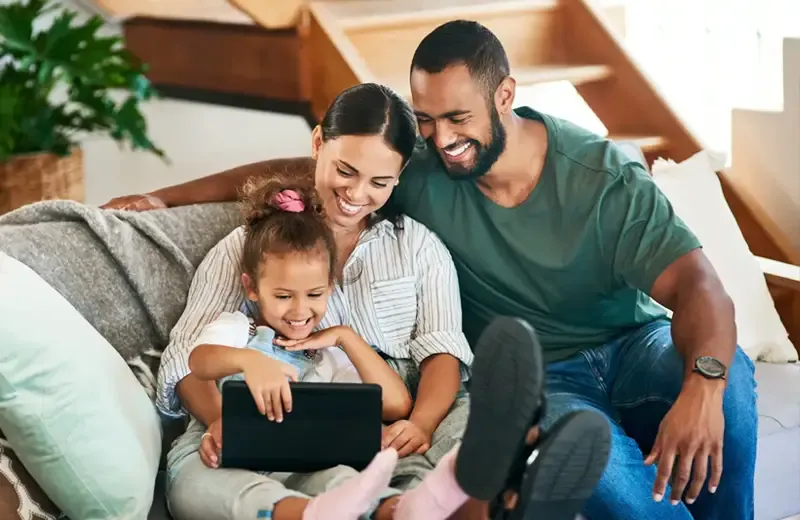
{"x": 443, "y": 342}
{"x": 173, "y": 371}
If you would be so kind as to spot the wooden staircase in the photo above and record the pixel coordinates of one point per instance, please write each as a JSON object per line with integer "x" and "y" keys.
{"x": 546, "y": 41}
{"x": 574, "y": 41}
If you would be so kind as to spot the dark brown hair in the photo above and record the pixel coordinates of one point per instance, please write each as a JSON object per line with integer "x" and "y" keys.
{"x": 272, "y": 230}
{"x": 373, "y": 109}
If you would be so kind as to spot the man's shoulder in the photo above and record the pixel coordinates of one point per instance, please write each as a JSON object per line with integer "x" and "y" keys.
{"x": 580, "y": 150}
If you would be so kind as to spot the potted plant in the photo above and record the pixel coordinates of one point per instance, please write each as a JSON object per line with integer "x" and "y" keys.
{"x": 59, "y": 81}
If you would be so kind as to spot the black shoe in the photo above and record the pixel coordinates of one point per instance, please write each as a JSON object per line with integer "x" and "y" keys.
{"x": 506, "y": 400}
{"x": 563, "y": 469}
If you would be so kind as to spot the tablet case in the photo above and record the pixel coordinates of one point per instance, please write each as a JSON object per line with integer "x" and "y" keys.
{"x": 330, "y": 424}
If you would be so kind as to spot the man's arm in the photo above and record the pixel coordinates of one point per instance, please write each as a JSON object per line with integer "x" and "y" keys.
{"x": 703, "y": 321}
{"x": 219, "y": 187}
{"x": 654, "y": 251}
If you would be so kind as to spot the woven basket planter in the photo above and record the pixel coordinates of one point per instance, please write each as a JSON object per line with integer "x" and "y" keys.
{"x": 40, "y": 176}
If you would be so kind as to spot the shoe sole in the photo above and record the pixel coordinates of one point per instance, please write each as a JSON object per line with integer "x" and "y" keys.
{"x": 505, "y": 393}
{"x": 568, "y": 465}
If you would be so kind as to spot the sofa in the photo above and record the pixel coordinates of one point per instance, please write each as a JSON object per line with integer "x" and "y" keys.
{"x": 79, "y": 431}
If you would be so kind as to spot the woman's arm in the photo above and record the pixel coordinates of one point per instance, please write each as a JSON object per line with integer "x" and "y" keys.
{"x": 439, "y": 345}
{"x": 374, "y": 369}
{"x": 216, "y": 288}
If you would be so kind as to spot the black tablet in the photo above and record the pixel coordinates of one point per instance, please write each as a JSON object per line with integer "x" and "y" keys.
{"x": 330, "y": 424}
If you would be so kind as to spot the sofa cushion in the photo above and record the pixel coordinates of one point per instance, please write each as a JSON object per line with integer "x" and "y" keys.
{"x": 695, "y": 193}
{"x": 70, "y": 407}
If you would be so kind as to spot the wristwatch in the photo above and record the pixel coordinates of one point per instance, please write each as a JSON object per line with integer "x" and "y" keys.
{"x": 710, "y": 367}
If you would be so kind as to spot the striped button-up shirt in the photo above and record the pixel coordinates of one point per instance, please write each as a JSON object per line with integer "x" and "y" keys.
{"x": 399, "y": 292}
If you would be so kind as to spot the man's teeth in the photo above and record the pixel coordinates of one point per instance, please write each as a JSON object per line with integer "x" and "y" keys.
{"x": 348, "y": 208}
{"x": 454, "y": 152}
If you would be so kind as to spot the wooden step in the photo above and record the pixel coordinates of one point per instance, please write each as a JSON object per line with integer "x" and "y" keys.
{"x": 648, "y": 144}
{"x": 220, "y": 11}
{"x": 379, "y": 14}
{"x": 526, "y": 76}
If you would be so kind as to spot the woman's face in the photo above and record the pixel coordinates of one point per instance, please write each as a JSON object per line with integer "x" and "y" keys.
{"x": 354, "y": 176}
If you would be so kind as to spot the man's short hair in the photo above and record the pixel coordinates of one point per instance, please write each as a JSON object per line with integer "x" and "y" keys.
{"x": 464, "y": 42}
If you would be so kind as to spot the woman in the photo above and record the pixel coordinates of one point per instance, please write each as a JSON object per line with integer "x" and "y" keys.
{"x": 399, "y": 292}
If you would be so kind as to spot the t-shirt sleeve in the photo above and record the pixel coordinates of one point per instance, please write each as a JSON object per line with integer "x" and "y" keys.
{"x": 643, "y": 234}
{"x": 231, "y": 329}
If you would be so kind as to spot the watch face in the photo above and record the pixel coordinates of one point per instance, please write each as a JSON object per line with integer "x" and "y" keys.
{"x": 712, "y": 367}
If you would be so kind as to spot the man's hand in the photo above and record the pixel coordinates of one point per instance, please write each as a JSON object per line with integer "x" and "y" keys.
{"x": 143, "y": 202}
{"x": 211, "y": 444}
{"x": 406, "y": 437}
{"x": 693, "y": 431}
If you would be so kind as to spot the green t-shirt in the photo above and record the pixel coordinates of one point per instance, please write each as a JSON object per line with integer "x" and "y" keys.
{"x": 574, "y": 259}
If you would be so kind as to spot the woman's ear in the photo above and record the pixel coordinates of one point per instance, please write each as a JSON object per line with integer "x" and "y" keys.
{"x": 249, "y": 287}
{"x": 316, "y": 141}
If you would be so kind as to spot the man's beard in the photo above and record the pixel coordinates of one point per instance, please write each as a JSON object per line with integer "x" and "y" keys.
{"x": 485, "y": 156}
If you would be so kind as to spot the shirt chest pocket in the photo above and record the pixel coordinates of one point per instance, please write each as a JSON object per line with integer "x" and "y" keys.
{"x": 395, "y": 304}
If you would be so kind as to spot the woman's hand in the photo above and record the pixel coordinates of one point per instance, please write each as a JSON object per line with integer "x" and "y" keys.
{"x": 268, "y": 381}
{"x": 321, "y": 339}
{"x": 406, "y": 437}
{"x": 211, "y": 444}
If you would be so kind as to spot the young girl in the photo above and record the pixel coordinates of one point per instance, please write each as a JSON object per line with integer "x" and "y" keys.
{"x": 288, "y": 272}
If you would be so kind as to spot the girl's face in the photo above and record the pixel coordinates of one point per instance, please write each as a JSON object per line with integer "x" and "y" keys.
{"x": 292, "y": 292}
{"x": 355, "y": 176}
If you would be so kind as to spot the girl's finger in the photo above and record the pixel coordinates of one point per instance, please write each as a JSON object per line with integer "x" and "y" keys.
{"x": 277, "y": 404}
{"x": 286, "y": 397}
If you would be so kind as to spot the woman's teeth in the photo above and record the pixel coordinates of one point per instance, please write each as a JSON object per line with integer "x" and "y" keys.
{"x": 455, "y": 152}
{"x": 349, "y": 209}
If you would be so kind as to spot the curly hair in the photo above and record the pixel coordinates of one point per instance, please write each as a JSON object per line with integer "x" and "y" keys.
{"x": 272, "y": 227}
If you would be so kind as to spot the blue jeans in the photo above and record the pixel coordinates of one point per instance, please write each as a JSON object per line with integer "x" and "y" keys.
{"x": 633, "y": 381}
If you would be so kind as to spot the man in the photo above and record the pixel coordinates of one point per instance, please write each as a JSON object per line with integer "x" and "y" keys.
{"x": 556, "y": 225}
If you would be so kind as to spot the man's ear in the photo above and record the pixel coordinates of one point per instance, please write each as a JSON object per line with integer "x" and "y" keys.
{"x": 316, "y": 141}
{"x": 504, "y": 95}
{"x": 249, "y": 287}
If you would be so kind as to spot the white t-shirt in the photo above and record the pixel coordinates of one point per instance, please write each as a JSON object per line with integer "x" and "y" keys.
{"x": 234, "y": 329}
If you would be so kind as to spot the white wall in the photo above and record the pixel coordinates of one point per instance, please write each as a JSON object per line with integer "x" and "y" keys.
{"x": 766, "y": 150}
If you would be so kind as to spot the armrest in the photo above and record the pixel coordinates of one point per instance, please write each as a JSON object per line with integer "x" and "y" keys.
{"x": 780, "y": 274}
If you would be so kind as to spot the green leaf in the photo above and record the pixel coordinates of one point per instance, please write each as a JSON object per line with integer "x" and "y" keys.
{"x": 70, "y": 56}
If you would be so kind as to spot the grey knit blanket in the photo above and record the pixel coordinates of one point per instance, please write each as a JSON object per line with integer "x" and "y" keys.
{"x": 127, "y": 273}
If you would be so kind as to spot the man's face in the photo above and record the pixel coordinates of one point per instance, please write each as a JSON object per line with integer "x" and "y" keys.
{"x": 456, "y": 120}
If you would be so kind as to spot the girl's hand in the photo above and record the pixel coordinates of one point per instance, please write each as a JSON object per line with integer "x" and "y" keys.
{"x": 267, "y": 380}
{"x": 321, "y": 339}
{"x": 211, "y": 444}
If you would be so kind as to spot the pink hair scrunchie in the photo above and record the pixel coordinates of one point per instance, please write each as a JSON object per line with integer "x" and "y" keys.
{"x": 290, "y": 200}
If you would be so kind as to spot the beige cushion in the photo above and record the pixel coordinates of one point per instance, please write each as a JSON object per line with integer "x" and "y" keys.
{"x": 694, "y": 190}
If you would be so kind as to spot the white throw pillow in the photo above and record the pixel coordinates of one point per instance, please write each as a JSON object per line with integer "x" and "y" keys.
{"x": 73, "y": 411}
{"x": 695, "y": 192}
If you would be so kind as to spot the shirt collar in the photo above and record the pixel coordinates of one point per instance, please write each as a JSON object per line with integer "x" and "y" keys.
{"x": 381, "y": 229}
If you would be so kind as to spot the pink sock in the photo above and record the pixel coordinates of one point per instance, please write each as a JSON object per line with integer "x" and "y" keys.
{"x": 353, "y": 498}
{"x": 435, "y": 498}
